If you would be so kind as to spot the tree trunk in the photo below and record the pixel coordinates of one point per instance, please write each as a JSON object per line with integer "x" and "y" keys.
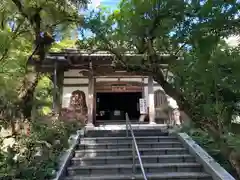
{"x": 207, "y": 125}
{"x": 183, "y": 104}
{"x": 158, "y": 76}
{"x": 26, "y": 93}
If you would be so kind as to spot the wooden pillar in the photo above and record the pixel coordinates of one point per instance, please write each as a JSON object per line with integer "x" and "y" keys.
{"x": 151, "y": 101}
{"x": 94, "y": 102}
{"x": 55, "y": 87}
{"x": 91, "y": 103}
{"x": 143, "y": 88}
{"x": 169, "y": 121}
{"x": 60, "y": 79}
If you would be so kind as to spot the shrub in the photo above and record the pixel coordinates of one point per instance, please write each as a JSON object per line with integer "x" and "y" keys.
{"x": 36, "y": 156}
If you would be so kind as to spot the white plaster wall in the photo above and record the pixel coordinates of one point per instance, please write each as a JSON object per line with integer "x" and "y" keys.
{"x": 131, "y": 79}
{"x": 67, "y": 91}
{"x": 72, "y": 72}
{"x": 146, "y": 81}
{"x": 75, "y": 81}
{"x": 106, "y": 79}
{"x": 121, "y": 79}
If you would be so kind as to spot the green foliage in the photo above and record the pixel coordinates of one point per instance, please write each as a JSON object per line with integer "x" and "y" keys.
{"x": 208, "y": 143}
{"x": 204, "y": 70}
{"x": 48, "y": 137}
{"x": 207, "y": 77}
{"x": 43, "y": 96}
{"x": 64, "y": 44}
{"x": 211, "y": 86}
{"x": 36, "y": 156}
{"x": 21, "y": 22}
{"x": 168, "y": 25}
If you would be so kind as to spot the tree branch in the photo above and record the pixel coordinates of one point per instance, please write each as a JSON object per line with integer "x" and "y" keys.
{"x": 20, "y": 8}
{"x": 180, "y": 48}
{"x": 67, "y": 19}
{"x": 171, "y": 91}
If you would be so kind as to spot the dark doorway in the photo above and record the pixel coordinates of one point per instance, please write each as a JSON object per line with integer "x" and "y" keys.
{"x": 113, "y": 106}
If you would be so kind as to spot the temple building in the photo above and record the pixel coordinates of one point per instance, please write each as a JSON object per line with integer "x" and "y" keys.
{"x": 91, "y": 85}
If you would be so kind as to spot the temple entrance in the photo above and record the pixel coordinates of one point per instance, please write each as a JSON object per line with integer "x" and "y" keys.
{"x": 114, "y": 105}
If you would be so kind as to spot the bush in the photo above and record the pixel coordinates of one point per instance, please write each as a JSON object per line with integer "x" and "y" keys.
{"x": 207, "y": 142}
{"x": 36, "y": 156}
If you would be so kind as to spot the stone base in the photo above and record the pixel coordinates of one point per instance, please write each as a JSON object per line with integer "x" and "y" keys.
{"x": 89, "y": 126}
{"x": 152, "y": 122}
{"x": 142, "y": 118}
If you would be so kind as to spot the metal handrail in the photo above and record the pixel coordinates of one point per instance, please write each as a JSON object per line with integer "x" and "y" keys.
{"x": 134, "y": 149}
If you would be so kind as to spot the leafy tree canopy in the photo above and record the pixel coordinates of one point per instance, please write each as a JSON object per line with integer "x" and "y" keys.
{"x": 185, "y": 38}
{"x": 28, "y": 29}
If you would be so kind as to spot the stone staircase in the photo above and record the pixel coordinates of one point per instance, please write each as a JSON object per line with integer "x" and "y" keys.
{"x": 107, "y": 155}
{"x": 117, "y": 122}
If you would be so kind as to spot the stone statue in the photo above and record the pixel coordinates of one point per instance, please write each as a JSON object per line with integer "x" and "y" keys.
{"x": 78, "y": 102}
{"x": 77, "y": 108}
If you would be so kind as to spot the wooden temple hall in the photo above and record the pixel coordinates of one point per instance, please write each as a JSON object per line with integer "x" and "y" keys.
{"x": 90, "y": 85}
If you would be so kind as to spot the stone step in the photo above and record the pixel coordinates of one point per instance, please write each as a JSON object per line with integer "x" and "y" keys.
{"x": 128, "y": 151}
{"x": 117, "y": 133}
{"x": 152, "y": 176}
{"x": 104, "y": 154}
{"x": 127, "y": 168}
{"x": 129, "y": 145}
{"x": 118, "y": 122}
{"x": 152, "y": 139}
{"x": 174, "y": 158}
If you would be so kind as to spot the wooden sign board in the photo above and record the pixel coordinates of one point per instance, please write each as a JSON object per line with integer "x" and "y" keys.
{"x": 143, "y": 106}
{"x": 118, "y": 88}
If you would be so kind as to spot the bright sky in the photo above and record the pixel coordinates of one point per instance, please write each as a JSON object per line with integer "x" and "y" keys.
{"x": 233, "y": 41}
{"x": 109, "y": 3}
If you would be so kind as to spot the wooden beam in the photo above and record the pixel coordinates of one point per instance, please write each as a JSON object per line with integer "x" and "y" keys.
{"x": 86, "y": 84}
{"x": 55, "y": 87}
{"x": 75, "y": 77}
{"x": 76, "y": 85}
